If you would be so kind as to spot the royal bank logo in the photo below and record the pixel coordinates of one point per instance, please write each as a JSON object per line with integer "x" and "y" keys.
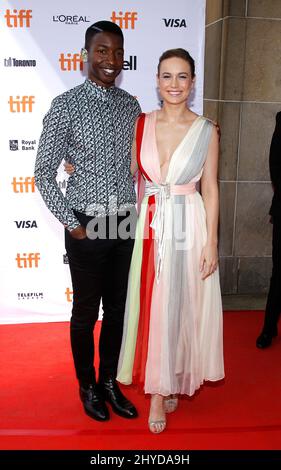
{"x": 125, "y": 20}
{"x": 26, "y": 223}
{"x": 174, "y": 22}
{"x": 18, "y": 18}
{"x": 71, "y": 19}
{"x": 30, "y": 295}
{"x": 25, "y": 145}
{"x": 13, "y": 62}
{"x": 14, "y": 145}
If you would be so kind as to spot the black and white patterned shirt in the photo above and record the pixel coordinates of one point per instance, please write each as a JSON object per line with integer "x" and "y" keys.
{"x": 91, "y": 127}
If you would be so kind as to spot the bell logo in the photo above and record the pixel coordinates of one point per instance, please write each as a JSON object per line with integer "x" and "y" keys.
{"x": 27, "y": 260}
{"x": 70, "y": 62}
{"x": 23, "y": 185}
{"x": 69, "y": 294}
{"x": 21, "y": 104}
{"x": 130, "y": 64}
{"x": 18, "y": 19}
{"x": 125, "y": 20}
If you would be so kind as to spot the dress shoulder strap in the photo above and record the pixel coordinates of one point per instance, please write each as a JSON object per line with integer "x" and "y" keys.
{"x": 139, "y": 134}
{"x": 141, "y": 182}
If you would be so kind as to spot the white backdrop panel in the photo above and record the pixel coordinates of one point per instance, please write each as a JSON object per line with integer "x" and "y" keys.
{"x": 35, "y": 281}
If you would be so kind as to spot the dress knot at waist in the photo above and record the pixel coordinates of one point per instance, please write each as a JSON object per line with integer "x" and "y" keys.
{"x": 164, "y": 191}
{"x": 167, "y": 189}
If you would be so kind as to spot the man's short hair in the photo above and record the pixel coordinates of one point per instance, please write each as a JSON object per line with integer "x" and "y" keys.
{"x": 101, "y": 27}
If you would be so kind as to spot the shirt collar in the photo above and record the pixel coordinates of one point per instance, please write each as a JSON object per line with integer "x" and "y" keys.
{"x": 99, "y": 90}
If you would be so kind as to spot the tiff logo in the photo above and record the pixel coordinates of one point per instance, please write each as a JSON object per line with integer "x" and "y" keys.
{"x": 23, "y": 185}
{"x": 69, "y": 294}
{"x": 18, "y": 19}
{"x": 70, "y": 62}
{"x": 125, "y": 20}
{"x": 21, "y": 104}
{"x": 27, "y": 260}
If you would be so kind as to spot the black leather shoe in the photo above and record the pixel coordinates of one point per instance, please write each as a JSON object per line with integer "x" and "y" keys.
{"x": 94, "y": 404}
{"x": 265, "y": 339}
{"x": 113, "y": 395}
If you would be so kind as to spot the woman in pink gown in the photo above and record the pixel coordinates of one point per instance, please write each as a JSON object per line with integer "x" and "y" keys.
{"x": 172, "y": 339}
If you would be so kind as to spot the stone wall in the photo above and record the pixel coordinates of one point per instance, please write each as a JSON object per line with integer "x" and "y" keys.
{"x": 243, "y": 93}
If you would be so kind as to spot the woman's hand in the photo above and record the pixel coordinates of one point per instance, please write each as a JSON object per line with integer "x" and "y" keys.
{"x": 208, "y": 260}
{"x": 69, "y": 168}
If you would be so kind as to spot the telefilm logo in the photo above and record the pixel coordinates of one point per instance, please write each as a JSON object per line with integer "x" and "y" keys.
{"x": 23, "y": 185}
{"x": 26, "y": 223}
{"x": 25, "y": 145}
{"x": 27, "y": 260}
{"x": 13, "y": 62}
{"x": 18, "y": 18}
{"x": 69, "y": 294}
{"x": 71, "y": 19}
{"x": 125, "y": 20}
{"x": 30, "y": 295}
{"x": 22, "y": 104}
{"x": 174, "y": 22}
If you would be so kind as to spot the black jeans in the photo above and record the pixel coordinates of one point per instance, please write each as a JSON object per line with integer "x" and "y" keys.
{"x": 273, "y": 305}
{"x": 99, "y": 271}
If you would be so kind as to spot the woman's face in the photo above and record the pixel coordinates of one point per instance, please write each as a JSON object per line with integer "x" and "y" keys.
{"x": 174, "y": 80}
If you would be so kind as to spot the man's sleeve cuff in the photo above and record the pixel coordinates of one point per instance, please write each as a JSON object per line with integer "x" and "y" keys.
{"x": 73, "y": 225}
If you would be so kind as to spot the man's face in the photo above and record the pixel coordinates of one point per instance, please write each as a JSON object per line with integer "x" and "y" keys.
{"x": 105, "y": 57}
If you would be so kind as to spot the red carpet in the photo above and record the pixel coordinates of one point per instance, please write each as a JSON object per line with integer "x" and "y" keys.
{"x": 40, "y": 406}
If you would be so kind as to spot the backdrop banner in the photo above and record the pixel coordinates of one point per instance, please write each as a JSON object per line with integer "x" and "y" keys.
{"x": 40, "y": 59}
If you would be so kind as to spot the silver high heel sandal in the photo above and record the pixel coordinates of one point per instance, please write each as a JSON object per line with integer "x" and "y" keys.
{"x": 157, "y": 426}
{"x": 170, "y": 403}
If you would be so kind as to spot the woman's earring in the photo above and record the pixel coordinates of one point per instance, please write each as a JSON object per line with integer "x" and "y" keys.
{"x": 84, "y": 55}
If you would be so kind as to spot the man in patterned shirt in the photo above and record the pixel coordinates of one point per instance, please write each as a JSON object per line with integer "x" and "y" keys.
{"x": 92, "y": 127}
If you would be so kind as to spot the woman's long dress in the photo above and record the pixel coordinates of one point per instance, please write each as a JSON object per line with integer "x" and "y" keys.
{"x": 173, "y": 338}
